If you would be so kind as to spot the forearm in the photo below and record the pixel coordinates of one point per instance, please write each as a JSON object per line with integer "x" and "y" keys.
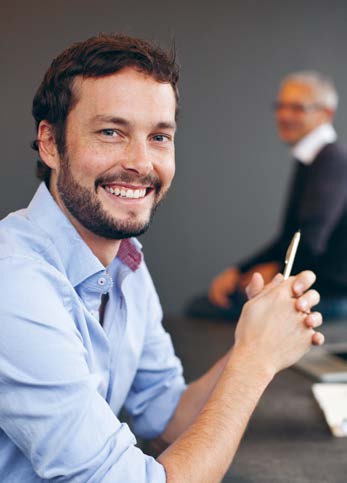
{"x": 271, "y": 335}
{"x": 192, "y": 401}
{"x": 205, "y": 450}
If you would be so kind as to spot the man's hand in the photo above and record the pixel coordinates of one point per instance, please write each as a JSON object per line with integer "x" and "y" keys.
{"x": 223, "y": 286}
{"x": 276, "y": 326}
{"x": 275, "y": 329}
{"x": 313, "y": 319}
{"x": 267, "y": 270}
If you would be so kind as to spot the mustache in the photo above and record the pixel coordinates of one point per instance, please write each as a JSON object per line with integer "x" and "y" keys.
{"x": 148, "y": 181}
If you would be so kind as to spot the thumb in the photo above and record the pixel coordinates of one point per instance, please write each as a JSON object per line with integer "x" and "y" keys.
{"x": 255, "y": 286}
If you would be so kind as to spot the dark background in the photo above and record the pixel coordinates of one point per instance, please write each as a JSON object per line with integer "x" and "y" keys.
{"x": 232, "y": 172}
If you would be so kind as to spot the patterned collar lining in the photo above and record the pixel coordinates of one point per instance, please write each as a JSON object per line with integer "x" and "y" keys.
{"x": 129, "y": 254}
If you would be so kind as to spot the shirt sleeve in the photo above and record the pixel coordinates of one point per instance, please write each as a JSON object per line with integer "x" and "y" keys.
{"x": 316, "y": 212}
{"x": 50, "y": 407}
{"x": 159, "y": 383}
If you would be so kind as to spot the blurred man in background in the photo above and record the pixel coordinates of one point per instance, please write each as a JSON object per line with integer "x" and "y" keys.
{"x": 316, "y": 204}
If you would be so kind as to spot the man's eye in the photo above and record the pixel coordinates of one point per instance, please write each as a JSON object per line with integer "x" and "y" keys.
{"x": 109, "y": 132}
{"x": 160, "y": 138}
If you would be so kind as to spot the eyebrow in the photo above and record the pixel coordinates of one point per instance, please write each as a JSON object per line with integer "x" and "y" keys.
{"x": 123, "y": 122}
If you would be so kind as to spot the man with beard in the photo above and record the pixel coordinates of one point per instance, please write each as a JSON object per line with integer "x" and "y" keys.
{"x": 81, "y": 334}
{"x": 317, "y": 205}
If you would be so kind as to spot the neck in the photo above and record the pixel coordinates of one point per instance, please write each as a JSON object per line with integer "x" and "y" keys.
{"x": 104, "y": 249}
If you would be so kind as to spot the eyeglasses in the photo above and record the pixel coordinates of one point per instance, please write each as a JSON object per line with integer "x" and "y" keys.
{"x": 296, "y": 107}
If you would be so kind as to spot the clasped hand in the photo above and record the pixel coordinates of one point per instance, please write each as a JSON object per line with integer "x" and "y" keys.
{"x": 277, "y": 321}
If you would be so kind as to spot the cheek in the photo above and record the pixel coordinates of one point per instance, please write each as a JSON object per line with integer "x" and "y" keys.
{"x": 312, "y": 122}
{"x": 167, "y": 172}
{"x": 90, "y": 161}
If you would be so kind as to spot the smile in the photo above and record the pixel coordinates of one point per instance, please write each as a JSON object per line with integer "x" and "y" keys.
{"x": 123, "y": 192}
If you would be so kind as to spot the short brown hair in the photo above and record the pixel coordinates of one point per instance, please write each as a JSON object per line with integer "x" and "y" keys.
{"x": 98, "y": 56}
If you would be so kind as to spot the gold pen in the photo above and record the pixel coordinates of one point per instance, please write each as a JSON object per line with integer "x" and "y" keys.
{"x": 290, "y": 255}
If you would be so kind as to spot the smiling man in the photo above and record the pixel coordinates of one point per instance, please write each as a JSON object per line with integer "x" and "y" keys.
{"x": 117, "y": 160}
{"x": 81, "y": 334}
{"x": 316, "y": 204}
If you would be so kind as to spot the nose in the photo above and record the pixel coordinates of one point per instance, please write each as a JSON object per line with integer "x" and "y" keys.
{"x": 138, "y": 158}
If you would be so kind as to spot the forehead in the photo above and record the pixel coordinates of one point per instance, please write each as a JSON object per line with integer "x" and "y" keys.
{"x": 297, "y": 92}
{"x": 128, "y": 93}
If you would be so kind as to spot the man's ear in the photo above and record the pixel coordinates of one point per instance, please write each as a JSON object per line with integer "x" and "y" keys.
{"x": 46, "y": 144}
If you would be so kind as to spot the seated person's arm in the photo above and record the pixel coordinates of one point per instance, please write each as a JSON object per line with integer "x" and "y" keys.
{"x": 53, "y": 396}
{"x": 273, "y": 333}
{"x": 198, "y": 392}
{"x": 223, "y": 285}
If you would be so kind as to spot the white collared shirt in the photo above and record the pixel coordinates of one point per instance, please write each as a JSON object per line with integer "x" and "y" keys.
{"x": 308, "y": 147}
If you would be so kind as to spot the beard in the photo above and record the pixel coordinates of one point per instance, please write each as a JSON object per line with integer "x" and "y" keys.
{"x": 86, "y": 208}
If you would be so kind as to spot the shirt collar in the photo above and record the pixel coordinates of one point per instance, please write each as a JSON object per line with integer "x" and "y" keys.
{"x": 78, "y": 260}
{"x": 308, "y": 147}
{"x": 129, "y": 253}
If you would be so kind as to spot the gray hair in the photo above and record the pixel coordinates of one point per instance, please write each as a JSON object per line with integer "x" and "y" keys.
{"x": 323, "y": 86}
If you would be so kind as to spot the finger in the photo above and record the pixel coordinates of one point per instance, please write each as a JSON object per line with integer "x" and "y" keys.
{"x": 318, "y": 338}
{"x": 307, "y": 301}
{"x": 274, "y": 282}
{"x": 303, "y": 282}
{"x": 255, "y": 286}
{"x": 219, "y": 299}
{"x": 223, "y": 302}
{"x": 314, "y": 320}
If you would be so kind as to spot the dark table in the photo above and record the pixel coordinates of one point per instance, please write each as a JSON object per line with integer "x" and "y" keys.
{"x": 287, "y": 439}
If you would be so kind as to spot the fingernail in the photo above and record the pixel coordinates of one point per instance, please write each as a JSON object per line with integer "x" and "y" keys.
{"x": 319, "y": 339}
{"x": 303, "y": 304}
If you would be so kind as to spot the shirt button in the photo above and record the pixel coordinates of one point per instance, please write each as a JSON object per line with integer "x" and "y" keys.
{"x": 102, "y": 281}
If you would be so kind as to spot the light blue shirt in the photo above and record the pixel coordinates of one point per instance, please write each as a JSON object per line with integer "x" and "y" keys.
{"x": 63, "y": 376}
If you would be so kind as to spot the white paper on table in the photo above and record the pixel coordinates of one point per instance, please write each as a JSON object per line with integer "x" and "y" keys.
{"x": 332, "y": 399}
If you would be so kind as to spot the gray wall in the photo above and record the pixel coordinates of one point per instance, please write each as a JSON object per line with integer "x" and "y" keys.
{"x": 232, "y": 172}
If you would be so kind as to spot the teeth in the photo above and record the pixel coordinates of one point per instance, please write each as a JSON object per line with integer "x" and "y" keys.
{"x": 126, "y": 193}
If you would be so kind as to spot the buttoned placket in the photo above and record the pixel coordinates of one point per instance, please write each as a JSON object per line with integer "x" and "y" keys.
{"x": 117, "y": 322}
{"x": 92, "y": 290}
{"x": 106, "y": 283}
